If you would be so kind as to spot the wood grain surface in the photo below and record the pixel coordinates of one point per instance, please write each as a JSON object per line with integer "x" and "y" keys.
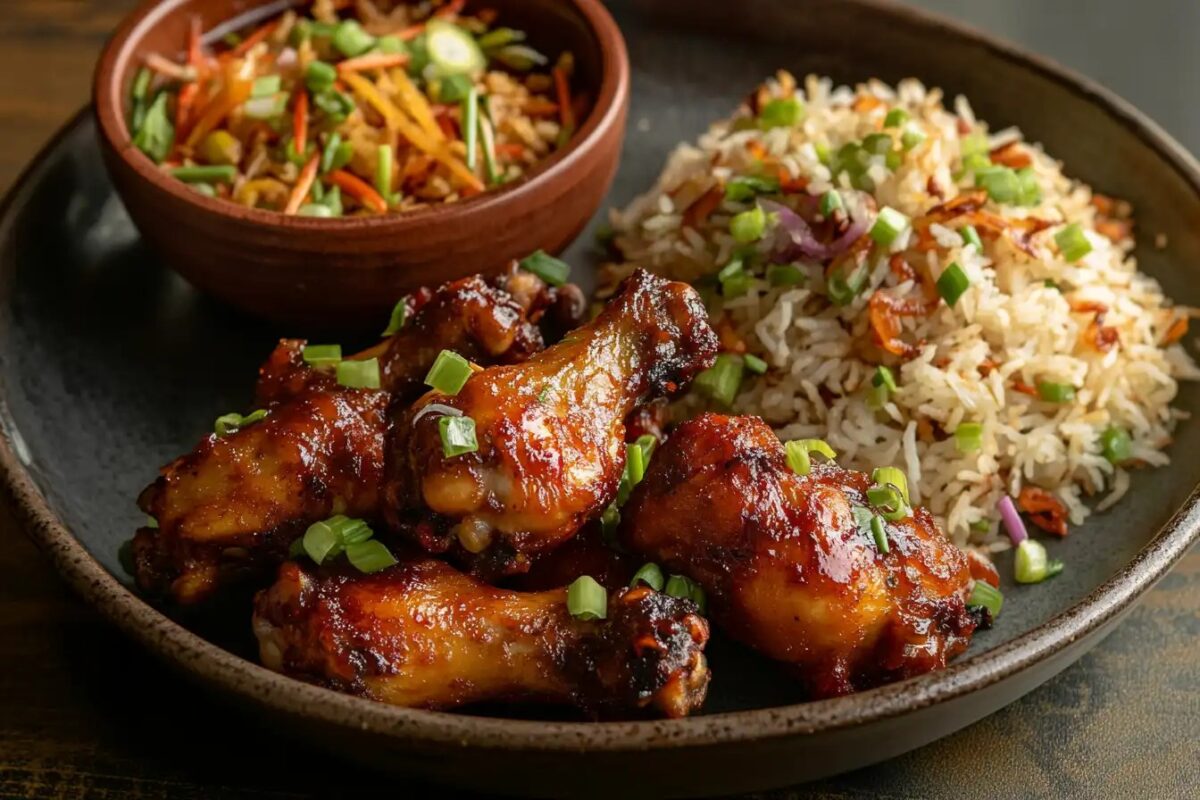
{"x": 85, "y": 714}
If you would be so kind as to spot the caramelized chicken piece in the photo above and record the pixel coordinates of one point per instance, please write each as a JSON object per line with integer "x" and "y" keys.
{"x": 423, "y": 634}
{"x": 550, "y": 432}
{"x": 584, "y": 554}
{"x": 788, "y": 570}
{"x": 234, "y": 504}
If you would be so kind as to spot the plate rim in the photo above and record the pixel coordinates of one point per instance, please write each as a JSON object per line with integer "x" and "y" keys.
{"x": 256, "y": 685}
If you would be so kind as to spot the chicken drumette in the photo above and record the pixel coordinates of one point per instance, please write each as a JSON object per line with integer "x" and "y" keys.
{"x": 788, "y": 568}
{"x": 423, "y": 634}
{"x": 549, "y": 432}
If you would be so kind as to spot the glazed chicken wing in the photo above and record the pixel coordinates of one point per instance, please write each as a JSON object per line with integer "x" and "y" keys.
{"x": 787, "y": 567}
{"x": 423, "y": 634}
{"x": 549, "y": 432}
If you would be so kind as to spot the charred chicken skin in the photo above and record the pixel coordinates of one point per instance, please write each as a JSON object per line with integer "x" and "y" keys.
{"x": 550, "y": 432}
{"x": 423, "y": 634}
{"x": 786, "y": 566}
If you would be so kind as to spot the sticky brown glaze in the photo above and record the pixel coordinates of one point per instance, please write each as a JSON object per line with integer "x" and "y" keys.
{"x": 235, "y": 503}
{"x": 550, "y": 432}
{"x": 586, "y": 553}
{"x": 785, "y": 566}
{"x": 423, "y": 634}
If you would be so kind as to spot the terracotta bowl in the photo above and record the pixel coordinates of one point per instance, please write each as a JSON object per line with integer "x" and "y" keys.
{"x": 347, "y": 272}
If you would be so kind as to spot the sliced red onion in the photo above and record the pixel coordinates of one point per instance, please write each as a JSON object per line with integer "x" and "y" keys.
{"x": 1012, "y": 520}
{"x": 793, "y": 238}
{"x": 436, "y": 408}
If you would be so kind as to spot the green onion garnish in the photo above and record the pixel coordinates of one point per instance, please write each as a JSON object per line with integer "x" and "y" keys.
{"x": 843, "y": 289}
{"x": 981, "y": 525}
{"x": 988, "y": 596}
{"x": 315, "y": 210}
{"x": 234, "y": 422}
{"x": 911, "y": 137}
{"x": 735, "y": 281}
{"x": 784, "y": 275}
{"x": 319, "y": 76}
{"x": 350, "y": 531}
{"x": 885, "y": 476}
{"x": 470, "y": 126}
{"x": 390, "y": 45}
{"x": 748, "y": 226}
{"x": 384, "y": 158}
{"x": 215, "y": 173}
{"x": 1029, "y": 192}
{"x": 635, "y": 463}
{"x": 1032, "y": 563}
{"x": 141, "y": 85}
{"x": 798, "y": 451}
{"x": 609, "y": 521}
{"x": 359, "y": 374}
{"x": 1001, "y": 183}
{"x": 1116, "y": 444}
{"x": 895, "y": 118}
{"x": 973, "y": 144}
{"x": 780, "y": 114}
{"x": 458, "y": 436}
{"x": 888, "y": 498}
{"x": 550, "y": 269}
{"x": 206, "y": 189}
{"x": 1072, "y": 242}
{"x": 487, "y": 135}
{"x": 398, "y": 318}
{"x": 685, "y": 588}
{"x": 351, "y": 40}
{"x": 952, "y": 283}
{"x": 449, "y": 373}
{"x": 321, "y": 355}
{"x": 746, "y": 187}
{"x": 649, "y": 574}
{"x": 884, "y": 377}
{"x": 369, "y": 556}
{"x": 971, "y": 236}
{"x": 831, "y": 201}
{"x": 755, "y": 364}
{"x": 879, "y": 533}
{"x": 968, "y": 437}
{"x": 321, "y": 542}
{"x": 156, "y": 134}
{"x": 888, "y": 226}
{"x": 877, "y": 397}
{"x": 586, "y": 599}
{"x": 722, "y": 380}
{"x": 265, "y": 86}
{"x": 1055, "y": 392}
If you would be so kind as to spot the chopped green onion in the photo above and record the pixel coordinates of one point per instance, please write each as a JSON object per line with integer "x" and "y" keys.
{"x": 735, "y": 281}
{"x": 500, "y": 37}
{"x": 911, "y": 137}
{"x": 470, "y": 125}
{"x": 1055, "y": 392}
{"x": 973, "y": 144}
{"x": 895, "y": 118}
{"x": 609, "y": 521}
{"x": 1116, "y": 444}
{"x": 487, "y": 134}
{"x": 214, "y": 173}
{"x": 350, "y": 531}
{"x": 798, "y": 451}
{"x": 1072, "y": 242}
{"x": 1029, "y": 193}
{"x": 635, "y": 463}
{"x": 884, "y": 377}
{"x": 831, "y": 201}
{"x": 390, "y": 45}
{"x": 384, "y": 158}
{"x": 550, "y": 269}
{"x": 334, "y": 104}
{"x": 784, "y": 275}
{"x": 877, "y": 143}
{"x": 206, "y": 189}
{"x": 321, "y": 355}
{"x": 649, "y": 574}
{"x": 880, "y": 534}
{"x": 322, "y": 30}
{"x": 449, "y": 373}
{"x": 266, "y": 86}
{"x": 968, "y": 437}
{"x": 370, "y": 556}
{"x": 888, "y": 226}
{"x": 746, "y": 187}
{"x": 1032, "y": 563}
{"x": 988, "y": 596}
{"x": 877, "y": 397}
{"x": 971, "y": 236}
{"x": 333, "y": 200}
{"x": 234, "y": 422}
{"x": 755, "y": 364}
{"x": 351, "y": 40}
{"x": 952, "y": 283}
{"x": 141, "y": 85}
{"x": 398, "y": 318}
{"x": 1001, "y": 183}
{"x": 321, "y": 542}
{"x": 319, "y": 76}
{"x": 748, "y": 226}
{"x": 781, "y": 113}
{"x": 266, "y": 108}
{"x": 893, "y": 476}
{"x": 336, "y": 153}
{"x": 586, "y": 599}
{"x": 887, "y": 497}
{"x": 452, "y": 89}
{"x": 722, "y": 380}
{"x": 981, "y": 525}
{"x": 519, "y": 57}
{"x": 458, "y": 436}
{"x": 976, "y": 162}
{"x": 685, "y": 588}
{"x": 359, "y": 374}
{"x": 156, "y": 134}
{"x": 1049, "y": 284}
{"x": 822, "y": 151}
{"x": 843, "y": 289}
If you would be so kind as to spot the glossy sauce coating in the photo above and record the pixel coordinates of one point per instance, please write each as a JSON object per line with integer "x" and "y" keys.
{"x": 550, "y": 432}
{"x": 786, "y": 566}
{"x": 423, "y": 634}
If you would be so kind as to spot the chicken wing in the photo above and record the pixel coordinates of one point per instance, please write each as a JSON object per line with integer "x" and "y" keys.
{"x": 787, "y": 567}
{"x": 549, "y": 432}
{"x": 423, "y": 634}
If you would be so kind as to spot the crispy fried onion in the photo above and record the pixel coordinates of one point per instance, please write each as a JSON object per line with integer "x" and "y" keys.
{"x": 967, "y": 209}
{"x": 885, "y": 312}
{"x": 1097, "y": 335}
{"x": 1044, "y": 510}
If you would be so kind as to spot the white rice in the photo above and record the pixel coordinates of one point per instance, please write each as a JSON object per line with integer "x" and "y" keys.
{"x": 822, "y": 356}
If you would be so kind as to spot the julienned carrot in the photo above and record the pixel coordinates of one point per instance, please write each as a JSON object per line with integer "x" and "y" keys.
{"x": 451, "y": 9}
{"x": 566, "y": 114}
{"x": 195, "y": 52}
{"x": 259, "y": 34}
{"x": 373, "y": 61}
{"x": 303, "y": 184}
{"x": 411, "y": 32}
{"x": 235, "y": 92}
{"x": 300, "y": 123}
{"x": 357, "y": 188}
{"x": 184, "y": 103}
{"x": 510, "y": 149}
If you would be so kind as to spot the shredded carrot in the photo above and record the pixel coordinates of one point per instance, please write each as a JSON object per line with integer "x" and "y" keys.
{"x": 411, "y": 32}
{"x": 451, "y": 9}
{"x": 358, "y": 189}
{"x": 446, "y": 125}
{"x": 196, "y": 58}
{"x": 170, "y": 69}
{"x": 757, "y": 150}
{"x": 373, "y": 61}
{"x": 511, "y": 150}
{"x": 867, "y": 102}
{"x": 254, "y": 38}
{"x": 788, "y": 184}
{"x": 183, "y": 108}
{"x": 1177, "y": 331}
{"x": 300, "y": 123}
{"x": 235, "y": 92}
{"x": 562, "y": 86}
{"x": 303, "y": 185}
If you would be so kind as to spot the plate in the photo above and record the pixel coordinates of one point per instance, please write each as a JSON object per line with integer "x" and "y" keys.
{"x": 111, "y": 365}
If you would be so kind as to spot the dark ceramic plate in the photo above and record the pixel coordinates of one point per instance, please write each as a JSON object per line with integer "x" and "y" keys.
{"x": 110, "y": 365}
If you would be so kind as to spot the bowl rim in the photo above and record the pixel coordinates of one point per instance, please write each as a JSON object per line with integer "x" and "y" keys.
{"x": 108, "y": 104}
{"x": 258, "y": 686}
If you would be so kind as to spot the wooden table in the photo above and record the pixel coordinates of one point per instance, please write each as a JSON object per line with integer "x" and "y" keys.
{"x": 84, "y": 713}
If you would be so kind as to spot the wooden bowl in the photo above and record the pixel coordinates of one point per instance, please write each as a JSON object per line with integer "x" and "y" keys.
{"x": 347, "y": 272}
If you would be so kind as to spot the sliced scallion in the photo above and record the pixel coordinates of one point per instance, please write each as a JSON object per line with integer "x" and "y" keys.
{"x": 1116, "y": 444}
{"x": 683, "y": 587}
{"x": 384, "y": 160}
{"x": 552, "y": 270}
{"x": 888, "y": 227}
{"x": 470, "y": 126}
{"x": 266, "y": 86}
{"x": 1032, "y": 564}
{"x": 1053, "y": 392}
{"x": 722, "y": 380}
{"x": 156, "y": 134}
{"x": 321, "y": 542}
{"x": 398, "y": 318}
{"x": 784, "y": 275}
{"x": 321, "y": 355}
{"x": 885, "y": 476}
{"x": 1072, "y": 242}
{"x": 968, "y": 437}
{"x": 746, "y": 187}
{"x": 319, "y": 76}
{"x": 369, "y": 556}
{"x": 988, "y": 596}
{"x": 971, "y": 236}
{"x": 651, "y": 575}
{"x": 734, "y": 279}
{"x": 895, "y": 118}
{"x": 755, "y": 364}
{"x": 831, "y": 202}
{"x": 209, "y": 173}
{"x": 351, "y": 40}
{"x": 748, "y": 226}
{"x": 952, "y": 283}
{"x": 458, "y": 435}
{"x": 234, "y": 422}
{"x": 359, "y": 374}
{"x": 449, "y": 373}
{"x": 586, "y": 599}
{"x": 798, "y": 451}
{"x": 884, "y": 377}
{"x": 879, "y": 533}
{"x": 781, "y": 113}
{"x": 911, "y": 136}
